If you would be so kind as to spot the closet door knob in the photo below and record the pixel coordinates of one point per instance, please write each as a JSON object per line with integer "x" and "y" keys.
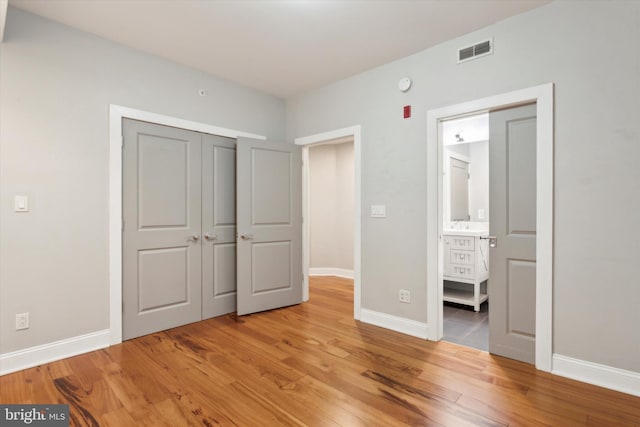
{"x": 194, "y": 238}
{"x": 210, "y": 237}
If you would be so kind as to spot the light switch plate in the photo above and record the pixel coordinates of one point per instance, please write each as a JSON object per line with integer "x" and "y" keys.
{"x": 378, "y": 211}
{"x": 21, "y": 203}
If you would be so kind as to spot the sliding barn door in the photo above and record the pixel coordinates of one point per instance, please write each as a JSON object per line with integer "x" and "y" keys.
{"x": 269, "y": 215}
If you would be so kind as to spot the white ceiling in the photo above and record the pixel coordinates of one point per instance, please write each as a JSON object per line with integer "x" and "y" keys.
{"x": 283, "y": 47}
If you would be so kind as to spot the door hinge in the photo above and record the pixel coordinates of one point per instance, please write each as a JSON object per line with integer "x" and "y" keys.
{"x": 122, "y": 224}
{"x": 122, "y": 141}
{"x": 122, "y": 306}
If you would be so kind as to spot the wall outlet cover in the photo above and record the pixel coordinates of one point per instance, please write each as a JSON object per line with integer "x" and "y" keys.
{"x": 404, "y": 296}
{"x": 22, "y": 321}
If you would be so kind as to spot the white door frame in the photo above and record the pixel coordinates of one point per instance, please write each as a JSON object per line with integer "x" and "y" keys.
{"x": 116, "y": 114}
{"x": 543, "y": 96}
{"x": 318, "y": 139}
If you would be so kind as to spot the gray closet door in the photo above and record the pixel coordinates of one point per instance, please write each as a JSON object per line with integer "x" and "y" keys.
{"x": 269, "y": 215}
{"x": 161, "y": 213}
{"x": 218, "y": 226}
{"x": 512, "y": 286}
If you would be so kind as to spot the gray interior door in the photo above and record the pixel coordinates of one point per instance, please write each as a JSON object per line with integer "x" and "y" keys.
{"x": 161, "y": 213}
{"x": 269, "y": 215}
{"x": 218, "y": 225}
{"x": 512, "y": 201}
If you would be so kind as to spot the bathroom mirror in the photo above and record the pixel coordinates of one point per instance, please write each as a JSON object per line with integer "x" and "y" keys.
{"x": 459, "y": 185}
{"x": 466, "y": 169}
{"x": 466, "y": 182}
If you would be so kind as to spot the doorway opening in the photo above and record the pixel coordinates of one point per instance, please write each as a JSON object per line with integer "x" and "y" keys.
{"x": 542, "y": 96}
{"x": 330, "y": 213}
{"x": 314, "y": 148}
{"x": 465, "y": 222}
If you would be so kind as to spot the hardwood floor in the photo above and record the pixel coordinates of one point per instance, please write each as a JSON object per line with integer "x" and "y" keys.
{"x": 310, "y": 364}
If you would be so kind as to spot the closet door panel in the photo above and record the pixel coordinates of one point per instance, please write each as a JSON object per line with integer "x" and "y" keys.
{"x": 218, "y": 226}
{"x": 161, "y": 254}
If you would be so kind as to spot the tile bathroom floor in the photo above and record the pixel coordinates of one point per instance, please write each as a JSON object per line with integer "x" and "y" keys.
{"x": 462, "y": 325}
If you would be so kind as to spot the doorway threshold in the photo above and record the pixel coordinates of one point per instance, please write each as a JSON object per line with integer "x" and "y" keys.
{"x": 463, "y": 326}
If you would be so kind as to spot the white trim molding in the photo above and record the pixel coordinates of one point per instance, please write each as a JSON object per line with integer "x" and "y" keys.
{"x": 331, "y": 271}
{"x": 543, "y": 97}
{"x": 335, "y": 137}
{"x": 116, "y": 114}
{"x": 597, "y": 374}
{"x": 394, "y": 323}
{"x": 34, "y": 356}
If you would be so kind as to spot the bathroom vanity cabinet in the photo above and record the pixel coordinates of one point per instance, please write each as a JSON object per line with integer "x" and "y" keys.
{"x": 466, "y": 262}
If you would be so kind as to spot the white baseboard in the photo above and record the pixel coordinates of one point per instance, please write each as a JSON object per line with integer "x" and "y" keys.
{"x": 596, "y": 374}
{"x": 34, "y": 356}
{"x": 398, "y": 324}
{"x": 330, "y": 271}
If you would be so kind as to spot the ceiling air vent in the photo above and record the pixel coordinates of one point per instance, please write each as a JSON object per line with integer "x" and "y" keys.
{"x": 475, "y": 51}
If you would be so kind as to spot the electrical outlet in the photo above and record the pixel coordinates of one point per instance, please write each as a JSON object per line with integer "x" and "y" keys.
{"x": 404, "y": 296}
{"x": 22, "y": 321}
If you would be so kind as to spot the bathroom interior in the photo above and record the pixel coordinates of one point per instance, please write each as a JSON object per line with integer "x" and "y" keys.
{"x": 465, "y": 231}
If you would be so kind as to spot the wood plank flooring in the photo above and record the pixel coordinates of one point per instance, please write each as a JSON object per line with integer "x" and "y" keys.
{"x": 309, "y": 365}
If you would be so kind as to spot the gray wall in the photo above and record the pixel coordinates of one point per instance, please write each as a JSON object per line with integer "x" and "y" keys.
{"x": 331, "y": 206}
{"x": 590, "y": 51}
{"x": 56, "y": 85}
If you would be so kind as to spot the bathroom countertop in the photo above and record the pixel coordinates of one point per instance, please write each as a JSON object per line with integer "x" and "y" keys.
{"x": 458, "y": 232}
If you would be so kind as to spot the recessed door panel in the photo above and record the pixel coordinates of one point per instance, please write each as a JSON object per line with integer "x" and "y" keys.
{"x": 271, "y": 266}
{"x": 521, "y": 160}
{"x": 521, "y": 297}
{"x": 162, "y": 181}
{"x": 271, "y": 198}
{"x": 224, "y": 267}
{"x": 163, "y": 278}
{"x": 224, "y": 182}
